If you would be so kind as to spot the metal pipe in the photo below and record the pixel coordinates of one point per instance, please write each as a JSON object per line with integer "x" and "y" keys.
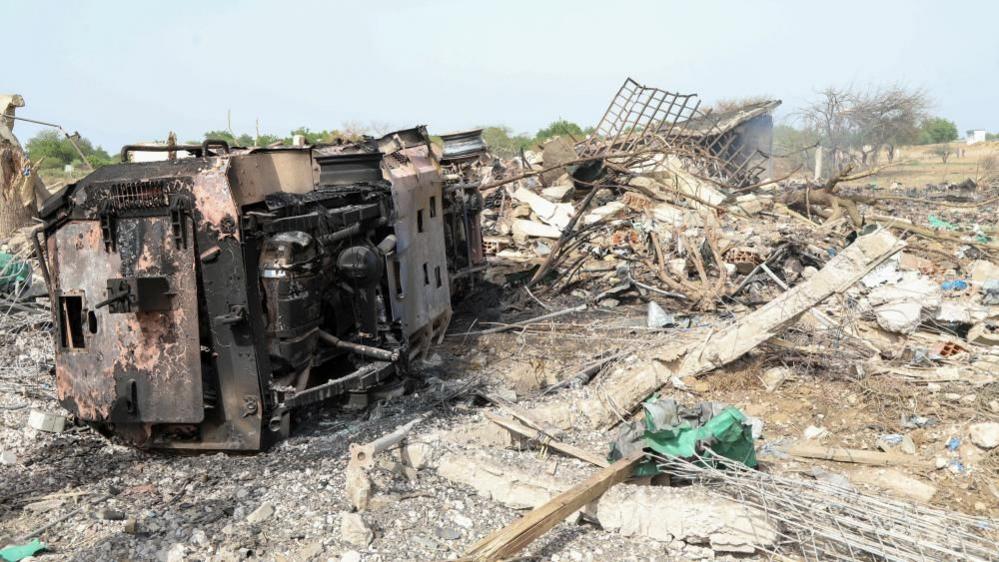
{"x": 351, "y": 230}
{"x": 42, "y": 259}
{"x": 360, "y": 349}
{"x": 63, "y": 131}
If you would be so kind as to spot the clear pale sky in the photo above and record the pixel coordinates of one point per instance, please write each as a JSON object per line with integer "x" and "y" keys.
{"x": 121, "y": 72}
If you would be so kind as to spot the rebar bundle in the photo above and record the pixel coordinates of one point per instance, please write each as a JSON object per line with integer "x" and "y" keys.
{"x": 823, "y": 521}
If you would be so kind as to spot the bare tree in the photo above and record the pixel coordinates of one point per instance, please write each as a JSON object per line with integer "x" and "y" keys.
{"x": 886, "y": 117}
{"x": 849, "y": 121}
{"x": 943, "y": 151}
{"x": 829, "y": 115}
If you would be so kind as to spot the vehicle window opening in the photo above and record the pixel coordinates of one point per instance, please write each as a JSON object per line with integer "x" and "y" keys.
{"x": 71, "y": 322}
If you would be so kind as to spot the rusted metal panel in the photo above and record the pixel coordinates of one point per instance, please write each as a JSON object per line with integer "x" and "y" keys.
{"x": 419, "y": 264}
{"x": 258, "y": 174}
{"x": 136, "y": 366}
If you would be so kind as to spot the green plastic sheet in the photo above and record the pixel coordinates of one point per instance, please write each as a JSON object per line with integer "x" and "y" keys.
{"x": 17, "y": 552}
{"x": 938, "y": 223}
{"x": 674, "y": 430}
{"x": 13, "y": 272}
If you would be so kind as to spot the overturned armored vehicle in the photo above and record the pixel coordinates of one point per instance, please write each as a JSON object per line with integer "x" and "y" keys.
{"x": 200, "y": 301}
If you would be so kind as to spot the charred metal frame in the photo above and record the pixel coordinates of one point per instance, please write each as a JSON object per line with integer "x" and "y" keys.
{"x": 201, "y": 301}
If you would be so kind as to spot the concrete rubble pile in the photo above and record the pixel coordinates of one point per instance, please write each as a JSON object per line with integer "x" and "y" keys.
{"x": 852, "y": 334}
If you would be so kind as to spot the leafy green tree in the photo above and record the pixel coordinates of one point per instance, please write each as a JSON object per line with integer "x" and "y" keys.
{"x": 224, "y": 136}
{"x": 560, "y": 127}
{"x": 936, "y": 130}
{"x": 267, "y": 140}
{"x": 312, "y": 137}
{"x": 502, "y": 142}
{"x": 58, "y": 151}
{"x": 243, "y": 139}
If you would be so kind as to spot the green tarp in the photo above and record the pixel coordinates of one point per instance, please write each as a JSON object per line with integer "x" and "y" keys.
{"x": 674, "y": 430}
{"x": 14, "y": 273}
{"x": 940, "y": 224}
{"x": 16, "y": 552}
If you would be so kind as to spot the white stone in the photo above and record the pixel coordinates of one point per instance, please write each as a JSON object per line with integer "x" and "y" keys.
{"x": 774, "y": 377}
{"x": 672, "y": 215}
{"x": 462, "y": 520}
{"x": 176, "y": 553}
{"x": 44, "y": 421}
{"x": 523, "y": 229}
{"x": 677, "y": 267}
{"x": 688, "y": 514}
{"x": 886, "y": 273}
{"x": 657, "y": 317}
{"x": 354, "y": 530}
{"x": 8, "y": 458}
{"x": 309, "y": 551}
{"x": 899, "y": 317}
{"x": 604, "y": 212}
{"x": 558, "y": 193}
{"x": 199, "y": 538}
{"x": 555, "y": 214}
{"x": 912, "y": 288}
{"x": 261, "y": 514}
{"x": 895, "y": 483}
{"x": 813, "y": 432}
{"x": 951, "y": 311}
{"x": 350, "y": 556}
{"x": 985, "y": 435}
{"x": 497, "y": 482}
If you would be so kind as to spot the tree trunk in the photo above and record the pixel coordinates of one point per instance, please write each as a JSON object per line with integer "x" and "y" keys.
{"x": 14, "y": 214}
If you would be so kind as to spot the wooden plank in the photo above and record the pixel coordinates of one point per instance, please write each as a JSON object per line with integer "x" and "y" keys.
{"x": 547, "y": 440}
{"x": 508, "y": 541}
{"x": 521, "y": 414}
{"x": 858, "y": 456}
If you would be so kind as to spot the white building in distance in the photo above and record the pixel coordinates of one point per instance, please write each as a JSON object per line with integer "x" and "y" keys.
{"x": 975, "y": 136}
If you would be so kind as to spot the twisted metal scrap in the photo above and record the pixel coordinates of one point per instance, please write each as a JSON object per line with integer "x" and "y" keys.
{"x": 656, "y": 126}
{"x": 822, "y": 521}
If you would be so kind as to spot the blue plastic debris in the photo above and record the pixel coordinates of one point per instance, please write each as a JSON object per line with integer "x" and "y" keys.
{"x": 891, "y": 439}
{"x": 955, "y": 285}
{"x": 953, "y": 444}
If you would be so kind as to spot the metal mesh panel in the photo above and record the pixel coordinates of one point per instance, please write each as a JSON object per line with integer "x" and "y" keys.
{"x": 636, "y": 110}
{"x": 650, "y": 120}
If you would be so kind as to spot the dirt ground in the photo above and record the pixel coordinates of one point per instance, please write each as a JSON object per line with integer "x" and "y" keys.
{"x": 919, "y": 166}
{"x": 83, "y": 490}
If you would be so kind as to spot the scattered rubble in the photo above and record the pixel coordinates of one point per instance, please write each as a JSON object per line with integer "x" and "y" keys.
{"x": 653, "y": 264}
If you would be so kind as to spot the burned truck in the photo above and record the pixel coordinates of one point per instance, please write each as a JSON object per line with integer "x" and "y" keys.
{"x": 200, "y": 302}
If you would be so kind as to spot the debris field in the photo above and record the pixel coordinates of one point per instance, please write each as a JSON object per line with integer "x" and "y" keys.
{"x": 672, "y": 355}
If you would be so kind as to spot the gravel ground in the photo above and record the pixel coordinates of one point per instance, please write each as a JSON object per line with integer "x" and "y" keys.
{"x": 98, "y": 500}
